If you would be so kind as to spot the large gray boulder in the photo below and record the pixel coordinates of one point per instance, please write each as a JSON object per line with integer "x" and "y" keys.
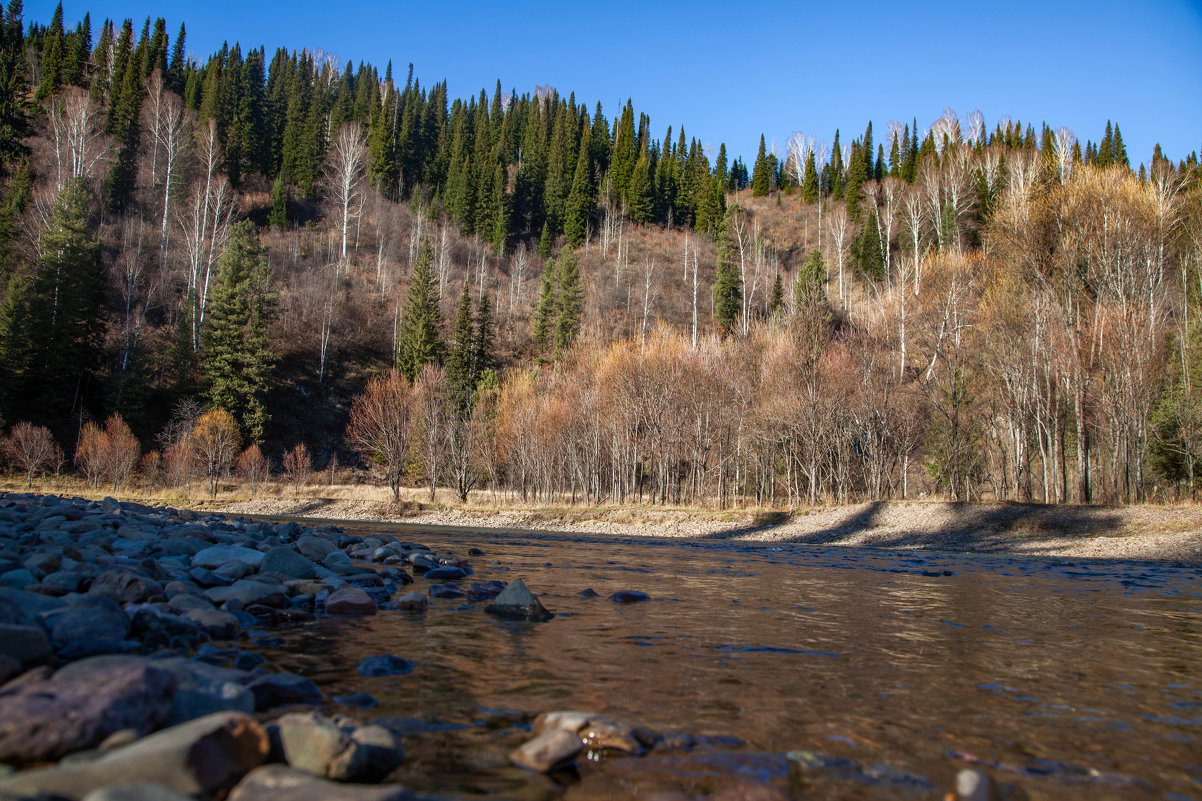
{"x": 203, "y": 758}
{"x": 287, "y": 562}
{"x": 248, "y": 592}
{"x": 25, "y": 644}
{"x": 217, "y": 555}
{"x": 315, "y": 548}
{"x": 46, "y": 720}
{"x": 90, "y": 618}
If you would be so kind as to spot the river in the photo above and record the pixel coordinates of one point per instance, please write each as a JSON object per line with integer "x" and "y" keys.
{"x": 839, "y": 673}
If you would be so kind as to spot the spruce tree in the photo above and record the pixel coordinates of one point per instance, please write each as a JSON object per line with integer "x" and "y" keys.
{"x": 761, "y": 182}
{"x": 14, "y": 87}
{"x": 728, "y": 285}
{"x": 579, "y": 206}
{"x": 418, "y": 341}
{"x": 777, "y": 301}
{"x": 484, "y": 359}
{"x": 236, "y": 357}
{"x": 569, "y": 302}
{"x": 458, "y": 365}
{"x": 543, "y": 318}
{"x": 52, "y": 326}
{"x": 809, "y": 187}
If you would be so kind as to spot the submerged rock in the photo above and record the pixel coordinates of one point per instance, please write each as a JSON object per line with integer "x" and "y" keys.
{"x": 385, "y": 665}
{"x": 281, "y": 689}
{"x": 317, "y": 745}
{"x": 548, "y": 751}
{"x": 629, "y": 597}
{"x": 516, "y": 602}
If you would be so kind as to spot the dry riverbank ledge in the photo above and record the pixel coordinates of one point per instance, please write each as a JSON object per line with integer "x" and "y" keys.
{"x": 132, "y": 667}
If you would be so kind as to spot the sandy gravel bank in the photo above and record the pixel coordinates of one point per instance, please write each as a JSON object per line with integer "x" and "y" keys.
{"x": 1161, "y": 533}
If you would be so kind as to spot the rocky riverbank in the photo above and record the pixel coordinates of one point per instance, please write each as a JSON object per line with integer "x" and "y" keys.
{"x": 130, "y": 666}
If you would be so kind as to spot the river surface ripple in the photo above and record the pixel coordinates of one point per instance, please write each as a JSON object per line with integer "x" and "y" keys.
{"x": 1063, "y": 678}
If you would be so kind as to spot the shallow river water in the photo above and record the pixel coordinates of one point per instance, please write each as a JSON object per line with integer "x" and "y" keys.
{"x": 842, "y": 673}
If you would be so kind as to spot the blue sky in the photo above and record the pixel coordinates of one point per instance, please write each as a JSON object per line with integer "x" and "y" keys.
{"x": 731, "y": 71}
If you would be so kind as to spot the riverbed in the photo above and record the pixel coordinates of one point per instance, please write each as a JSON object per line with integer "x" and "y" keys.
{"x": 829, "y": 672}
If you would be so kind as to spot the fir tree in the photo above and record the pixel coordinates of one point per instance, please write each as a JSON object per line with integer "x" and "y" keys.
{"x": 569, "y": 302}
{"x": 236, "y": 357}
{"x": 543, "y": 317}
{"x": 418, "y": 341}
{"x": 809, "y": 187}
{"x": 458, "y": 364}
{"x": 14, "y": 87}
{"x": 777, "y": 301}
{"x": 728, "y": 285}
{"x": 807, "y": 284}
{"x": 278, "y": 216}
{"x": 761, "y": 182}
{"x": 52, "y": 325}
{"x": 484, "y": 359}
{"x": 580, "y": 200}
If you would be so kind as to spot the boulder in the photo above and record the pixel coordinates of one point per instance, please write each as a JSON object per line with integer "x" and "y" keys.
{"x": 317, "y": 745}
{"x": 287, "y": 562}
{"x": 24, "y": 644}
{"x": 629, "y": 597}
{"x": 25, "y": 607}
{"x": 43, "y": 721}
{"x": 447, "y": 573}
{"x": 412, "y": 602}
{"x": 598, "y": 732}
{"x": 217, "y": 624}
{"x": 282, "y": 689}
{"x": 516, "y": 602}
{"x": 336, "y": 561}
{"x": 350, "y": 601}
{"x": 248, "y": 592}
{"x": 548, "y": 751}
{"x": 90, "y": 618}
{"x": 19, "y": 578}
{"x": 274, "y": 782}
{"x": 217, "y": 555}
{"x": 204, "y": 758}
{"x": 315, "y": 549}
{"x": 385, "y": 665}
{"x": 125, "y": 586}
{"x": 136, "y": 792}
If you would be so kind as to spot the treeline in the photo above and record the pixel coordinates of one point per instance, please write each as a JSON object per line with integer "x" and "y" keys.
{"x": 510, "y": 293}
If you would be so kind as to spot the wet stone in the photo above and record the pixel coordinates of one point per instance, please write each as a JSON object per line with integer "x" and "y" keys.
{"x": 282, "y": 689}
{"x": 516, "y": 602}
{"x": 548, "y": 751}
{"x": 629, "y": 597}
{"x": 412, "y": 602}
{"x": 385, "y": 665}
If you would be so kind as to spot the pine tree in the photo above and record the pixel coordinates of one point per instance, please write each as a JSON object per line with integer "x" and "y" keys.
{"x": 807, "y": 284}
{"x": 777, "y": 301}
{"x": 278, "y": 216}
{"x": 418, "y": 341}
{"x": 761, "y": 182}
{"x": 543, "y": 318}
{"x": 869, "y": 257}
{"x": 569, "y": 302}
{"x": 14, "y": 87}
{"x": 458, "y": 365}
{"x": 809, "y": 187}
{"x": 728, "y": 285}
{"x": 579, "y": 206}
{"x": 236, "y": 357}
{"x": 52, "y": 325}
{"x": 484, "y": 359}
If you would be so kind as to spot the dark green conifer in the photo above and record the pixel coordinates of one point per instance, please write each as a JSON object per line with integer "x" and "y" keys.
{"x": 236, "y": 356}
{"x": 761, "y": 181}
{"x": 458, "y": 365}
{"x": 419, "y": 340}
{"x": 728, "y": 285}
{"x": 569, "y": 301}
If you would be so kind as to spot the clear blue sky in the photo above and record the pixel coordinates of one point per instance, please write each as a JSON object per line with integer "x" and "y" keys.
{"x": 731, "y": 71}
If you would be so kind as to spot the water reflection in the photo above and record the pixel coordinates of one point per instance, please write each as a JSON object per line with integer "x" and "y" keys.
{"x": 1065, "y": 676}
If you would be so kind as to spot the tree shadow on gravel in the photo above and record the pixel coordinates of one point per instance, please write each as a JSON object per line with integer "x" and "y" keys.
{"x": 981, "y": 528}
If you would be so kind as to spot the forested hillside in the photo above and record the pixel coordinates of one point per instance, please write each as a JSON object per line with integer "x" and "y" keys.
{"x": 336, "y": 264}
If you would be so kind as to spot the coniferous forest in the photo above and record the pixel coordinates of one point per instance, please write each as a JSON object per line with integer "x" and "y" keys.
{"x": 277, "y": 262}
